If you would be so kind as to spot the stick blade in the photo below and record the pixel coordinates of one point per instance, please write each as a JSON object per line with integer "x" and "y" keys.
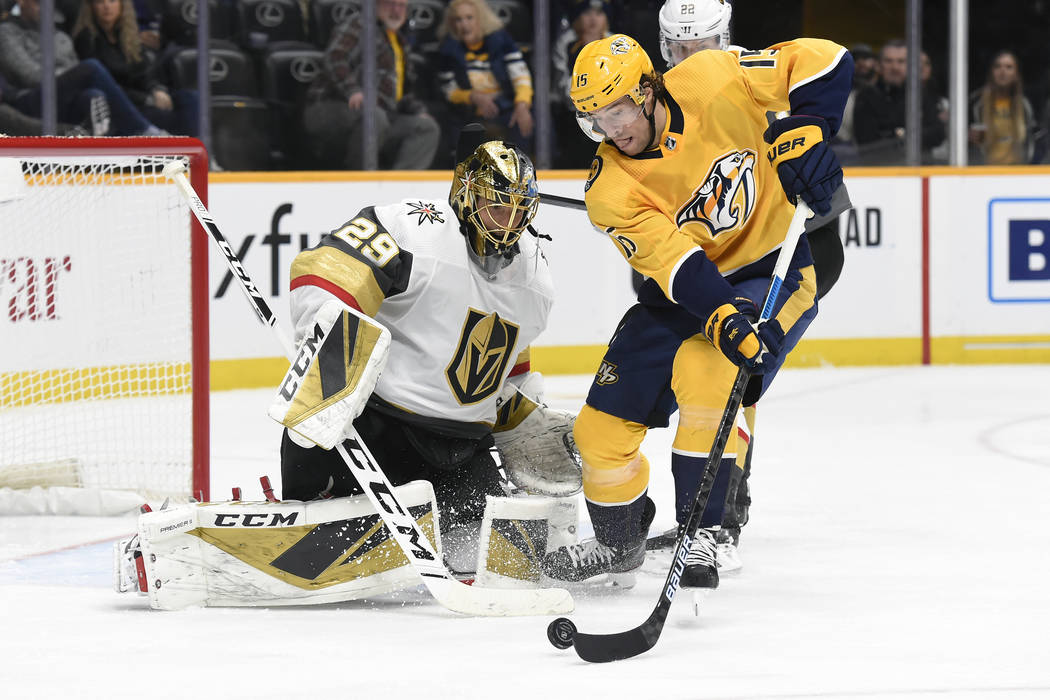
{"x": 499, "y": 602}
{"x": 602, "y": 648}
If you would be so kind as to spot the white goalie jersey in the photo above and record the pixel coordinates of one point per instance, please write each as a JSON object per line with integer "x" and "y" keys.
{"x": 456, "y": 332}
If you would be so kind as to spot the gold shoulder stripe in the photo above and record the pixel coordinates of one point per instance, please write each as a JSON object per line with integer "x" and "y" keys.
{"x": 353, "y": 277}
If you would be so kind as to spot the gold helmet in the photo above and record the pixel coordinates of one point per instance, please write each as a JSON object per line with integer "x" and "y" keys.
{"x": 494, "y": 195}
{"x": 605, "y": 71}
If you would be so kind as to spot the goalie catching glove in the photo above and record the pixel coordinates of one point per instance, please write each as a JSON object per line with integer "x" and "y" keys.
{"x": 536, "y": 445}
{"x": 807, "y": 167}
{"x": 334, "y": 373}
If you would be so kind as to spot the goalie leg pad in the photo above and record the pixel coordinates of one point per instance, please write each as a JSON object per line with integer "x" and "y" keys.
{"x": 515, "y": 535}
{"x": 334, "y": 372}
{"x": 279, "y": 553}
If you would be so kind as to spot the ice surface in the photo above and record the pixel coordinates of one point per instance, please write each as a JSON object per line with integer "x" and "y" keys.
{"x": 898, "y": 548}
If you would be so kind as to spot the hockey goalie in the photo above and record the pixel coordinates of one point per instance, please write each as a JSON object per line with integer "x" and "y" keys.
{"x": 413, "y": 322}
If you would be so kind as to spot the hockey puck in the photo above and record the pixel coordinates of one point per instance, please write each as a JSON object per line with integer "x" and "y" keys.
{"x": 560, "y": 632}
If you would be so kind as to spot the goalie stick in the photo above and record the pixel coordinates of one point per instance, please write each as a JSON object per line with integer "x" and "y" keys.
{"x": 445, "y": 588}
{"x": 600, "y": 648}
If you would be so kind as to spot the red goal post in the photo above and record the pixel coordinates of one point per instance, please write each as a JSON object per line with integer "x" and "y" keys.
{"x": 103, "y": 317}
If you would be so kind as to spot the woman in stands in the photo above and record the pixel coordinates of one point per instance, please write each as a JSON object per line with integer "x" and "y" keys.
{"x": 483, "y": 72}
{"x": 107, "y": 30}
{"x": 1002, "y": 120}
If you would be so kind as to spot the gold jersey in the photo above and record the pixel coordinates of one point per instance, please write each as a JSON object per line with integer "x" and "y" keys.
{"x": 707, "y": 182}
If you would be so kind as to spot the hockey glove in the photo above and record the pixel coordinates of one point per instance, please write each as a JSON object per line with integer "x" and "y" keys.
{"x": 772, "y": 337}
{"x": 807, "y": 167}
{"x": 333, "y": 375}
{"x": 729, "y": 329}
{"x": 536, "y": 445}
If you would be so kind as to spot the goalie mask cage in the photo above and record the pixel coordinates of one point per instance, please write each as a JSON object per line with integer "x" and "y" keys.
{"x": 103, "y": 317}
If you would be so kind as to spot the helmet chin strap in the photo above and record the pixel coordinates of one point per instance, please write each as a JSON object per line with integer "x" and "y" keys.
{"x": 651, "y": 118}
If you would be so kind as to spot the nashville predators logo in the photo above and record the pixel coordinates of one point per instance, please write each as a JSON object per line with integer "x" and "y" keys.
{"x": 485, "y": 347}
{"x": 620, "y": 45}
{"x": 726, "y": 198}
{"x": 606, "y": 374}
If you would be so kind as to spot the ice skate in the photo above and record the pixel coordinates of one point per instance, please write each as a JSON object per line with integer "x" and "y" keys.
{"x": 701, "y": 569}
{"x": 665, "y": 540}
{"x": 590, "y": 558}
{"x": 727, "y": 556}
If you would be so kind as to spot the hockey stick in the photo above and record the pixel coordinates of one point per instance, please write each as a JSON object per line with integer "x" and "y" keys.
{"x": 445, "y": 588}
{"x": 559, "y": 201}
{"x": 600, "y": 648}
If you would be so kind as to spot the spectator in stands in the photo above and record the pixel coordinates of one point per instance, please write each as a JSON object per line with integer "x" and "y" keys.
{"x": 864, "y": 74}
{"x": 588, "y": 21}
{"x": 483, "y": 73}
{"x": 85, "y": 90}
{"x": 408, "y": 136}
{"x": 879, "y": 111}
{"x": 14, "y": 123}
{"x": 1001, "y": 119}
{"x": 938, "y": 152}
{"x": 865, "y": 66}
{"x": 107, "y": 30}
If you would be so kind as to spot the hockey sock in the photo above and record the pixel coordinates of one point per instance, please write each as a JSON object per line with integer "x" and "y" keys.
{"x": 688, "y": 471}
{"x": 618, "y": 525}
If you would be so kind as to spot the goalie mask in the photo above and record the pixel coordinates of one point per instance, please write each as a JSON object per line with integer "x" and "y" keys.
{"x": 688, "y": 27}
{"x": 495, "y": 197}
{"x": 607, "y": 85}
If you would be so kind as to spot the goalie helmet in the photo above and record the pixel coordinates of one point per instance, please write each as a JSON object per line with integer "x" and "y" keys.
{"x": 495, "y": 197}
{"x": 683, "y": 23}
{"x": 605, "y": 71}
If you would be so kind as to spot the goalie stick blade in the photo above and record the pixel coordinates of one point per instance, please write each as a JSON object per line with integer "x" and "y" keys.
{"x": 499, "y": 602}
{"x": 603, "y": 648}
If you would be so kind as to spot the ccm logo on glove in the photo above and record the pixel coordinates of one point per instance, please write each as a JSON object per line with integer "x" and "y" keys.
{"x": 302, "y": 362}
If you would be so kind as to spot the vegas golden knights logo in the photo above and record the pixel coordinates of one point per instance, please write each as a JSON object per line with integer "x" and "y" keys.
{"x": 726, "y": 198}
{"x": 485, "y": 347}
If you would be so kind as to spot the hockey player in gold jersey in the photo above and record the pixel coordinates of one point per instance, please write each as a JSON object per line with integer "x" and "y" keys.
{"x": 688, "y": 27}
{"x": 695, "y": 187}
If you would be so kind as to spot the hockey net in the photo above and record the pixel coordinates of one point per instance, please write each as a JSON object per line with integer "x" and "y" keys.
{"x": 103, "y": 321}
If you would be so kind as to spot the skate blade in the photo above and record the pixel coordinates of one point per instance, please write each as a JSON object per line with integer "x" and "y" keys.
{"x": 699, "y": 596}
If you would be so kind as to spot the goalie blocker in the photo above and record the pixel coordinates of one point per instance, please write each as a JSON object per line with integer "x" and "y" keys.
{"x": 334, "y": 373}
{"x": 294, "y": 553}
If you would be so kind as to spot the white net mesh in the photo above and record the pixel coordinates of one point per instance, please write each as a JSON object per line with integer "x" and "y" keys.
{"x": 96, "y": 326}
